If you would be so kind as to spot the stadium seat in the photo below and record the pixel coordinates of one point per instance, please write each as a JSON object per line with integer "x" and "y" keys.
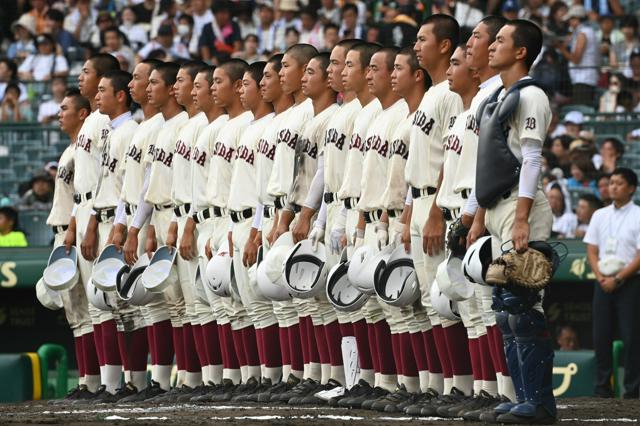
{"x": 34, "y": 225}
{"x": 581, "y": 108}
{"x": 575, "y": 194}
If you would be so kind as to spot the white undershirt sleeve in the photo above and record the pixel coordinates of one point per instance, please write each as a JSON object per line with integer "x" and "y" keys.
{"x": 471, "y": 206}
{"x": 316, "y": 189}
{"x": 144, "y": 209}
{"x": 257, "y": 219}
{"x": 531, "y": 165}
{"x": 74, "y": 210}
{"x": 321, "y": 220}
{"x": 409, "y": 200}
{"x": 121, "y": 215}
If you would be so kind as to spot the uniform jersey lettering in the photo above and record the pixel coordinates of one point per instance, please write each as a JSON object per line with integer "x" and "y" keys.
{"x": 246, "y": 154}
{"x": 335, "y": 138}
{"x": 452, "y": 121}
{"x": 423, "y": 122}
{"x": 530, "y": 123}
{"x": 220, "y": 150}
{"x": 308, "y": 148}
{"x": 398, "y": 147}
{"x": 65, "y": 175}
{"x": 163, "y": 157}
{"x": 200, "y": 157}
{"x": 288, "y": 137}
{"x": 135, "y": 154}
{"x": 376, "y": 143}
{"x": 183, "y": 150}
{"x": 84, "y": 143}
{"x": 266, "y": 149}
{"x": 472, "y": 124}
{"x": 356, "y": 142}
{"x": 453, "y": 144}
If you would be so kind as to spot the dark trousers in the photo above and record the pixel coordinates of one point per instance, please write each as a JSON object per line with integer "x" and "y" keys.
{"x": 622, "y": 309}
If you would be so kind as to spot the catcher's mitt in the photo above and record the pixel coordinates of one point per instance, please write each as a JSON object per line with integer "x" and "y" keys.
{"x": 456, "y": 238}
{"x": 530, "y": 269}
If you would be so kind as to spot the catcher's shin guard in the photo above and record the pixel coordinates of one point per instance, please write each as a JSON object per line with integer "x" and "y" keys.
{"x": 536, "y": 362}
{"x": 513, "y": 363}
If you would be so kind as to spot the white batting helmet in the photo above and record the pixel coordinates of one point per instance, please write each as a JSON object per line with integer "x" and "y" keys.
{"x": 269, "y": 276}
{"x": 366, "y": 266}
{"x": 61, "y": 272}
{"x": 198, "y": 283}
{"x": 444, "y": 306}
{"x": 129, "y": 284}
{"x": 155, "y": 277}
{"x": 456, "y": 287}
{"x": 106, "y": 267}
{"x": 398, "y": 284}
{"x": 97, "y": 297}
{"x": 50, "y": 299}
{"x": 341, "y": 293}
{"x": 477, "y": 259}
{"x": 219, "y": 273}
{"x": 305, "y": 270}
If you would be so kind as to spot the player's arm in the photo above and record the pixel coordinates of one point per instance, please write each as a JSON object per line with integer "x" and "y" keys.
{"x": 311, "y": 204}
{"x": 286, "y": 216}
{"x": 89, "y": 244}
{"x": 251, "y": 246}
{"x": 70, "y": 235}
{"x": 528, "y": 186}
{"x": 172, "y": 232}
{"x": 142, "y": 215}
{"x": 434, "y": 230}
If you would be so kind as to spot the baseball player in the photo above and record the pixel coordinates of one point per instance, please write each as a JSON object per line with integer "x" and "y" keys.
{"x": 212, "y": 317}
{"x": 87, "y": 156}
{"x": 155, "y": 313}
{"x": 227, "y": 80}
{"x": 114, "y": 100}
{"x": 354, "y": 79}
{"x": 243, "y": 197}
{"x": 516, "y": 215}
{"x": 187, "y": 358}
{"x": 435, "y": 43}
{"x": 74, "y": 109}
{"x": 155, "y": 201}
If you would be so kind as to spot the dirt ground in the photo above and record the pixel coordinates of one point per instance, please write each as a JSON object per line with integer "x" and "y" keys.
{"x": 583, "y": 411}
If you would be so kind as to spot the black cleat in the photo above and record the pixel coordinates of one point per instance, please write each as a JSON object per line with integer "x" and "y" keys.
{"x": 359, "y": 389}
{"x": 542, "y": 417}
{"x": 431, "y": 409}
{"x": 129, "y": 389}
{"x": 79, "y": 392}
{"x": 224, "y": 391}
{"x": 264, "y": 386}
{"x": 206, "y": 393}
{"x": 365, "y": 401}
{"x": 98, "y": 395}
{"x": 311, "y": 398}
{"x": 421, "y": 400}
{"x": 151, "y": 391}
{"x": 272, "y": 394}
{"x": 172, "y": 395}
{"x": 394, "y": 402}
{"x": 240, "y": 392}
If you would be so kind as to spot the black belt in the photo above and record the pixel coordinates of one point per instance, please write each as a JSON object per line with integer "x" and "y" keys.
{"x": 182, "y": 210}
{"x": 202, "y": 215}
{"x": 280, "y": 201}
{"x": 268, "y": 212}
{"x": 218, "y": 211}
{"x": 330, "y": 197}
{"x": 79, "y": 198}
{"x": 159, "y": 207}
{"x": 103, "y": 215}
{"x": 450, "y": 214}
{"x": 130, "y": 209}
{"x": 296, "y": 208}
{"x": 351, "y": 203}
{"x": 237, "y": 216}
{"x": 417, "y": 192}
{"x": 465, "y": 193}
{"x": 393, "y": 213}
{"x": 58, "y": 229}
{"x": 372, "y": 216}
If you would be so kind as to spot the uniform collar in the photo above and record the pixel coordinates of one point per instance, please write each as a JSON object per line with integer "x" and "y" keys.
{"x": 623, "y": 208}
{"x": 120, "y": 120}
{"x": 491, "y": 81}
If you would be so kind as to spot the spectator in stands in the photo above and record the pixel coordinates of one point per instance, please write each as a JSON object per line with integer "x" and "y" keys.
{"x": 510, "y": 9}
{"x": 611, "y": 150}
{"x": 556, "y": 25}
{"x": 40, "y": 193}
{"x": 10, "y": 236}
{"x": 51, "y": 168}
{"x": 104, "y": 21}
{"x": 350, "y": 27}
{"x": 54, "y": 20}
{"x": 582, "y": 172}
{"x": 564, "y": 221}
{"x": 560, "y": 148}
{"x": 48, "y": 111}
{"x": 164, "y": 41}
{"x": 329, "y": 13}
{"x": 567, "y": 339}
{"x": 603, "y": 189}
{"x": 587, "y": 205}
{"x": 114, "y": 42}
{"x": 373, "y": 34}
{"x": 221, "y": 37}
{"x": 623, "y": 48}
{"x": 608, "y": 35}
{"x": 311, "y": 28}
{"x": 165, "y": 15}
{"x": 38, "y": 11}
{"x": 613, "y": 243}
{"x": 250, "y": 50}
{"x": 266, "y": 30}
{"x": 582, "y": 51}
{"x": 9, "y": 74}
{"x": 573, "y": 123}
{"x": 331, "y": 36}
{"x": 23, "y": 45}
{"x": 201, "y": 14}
{"x": 136, "y": 34}
{"x": 45, "y": 64}
{"x": 80, "y": 21}
{"x": 11, "y": 109}
{"x": 184, "y": 30}
{"x": 242, "y": 14}
{"x": 401, "y": 29}
{"x": 144, "y": 10}
{"x": 609, "y": 99}
{"x": 534, "y": 10}
{"x": 292, "y": 36}
{"x": 288, "y": 19}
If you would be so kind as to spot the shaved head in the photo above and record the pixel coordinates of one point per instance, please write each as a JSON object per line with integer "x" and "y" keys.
{"x": 235, "y": 68}
{"x": 302, "y": 52}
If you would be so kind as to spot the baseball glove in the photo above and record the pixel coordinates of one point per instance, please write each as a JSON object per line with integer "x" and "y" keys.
{"x": 456, "y": 238}
{"x": 530, "y": 269}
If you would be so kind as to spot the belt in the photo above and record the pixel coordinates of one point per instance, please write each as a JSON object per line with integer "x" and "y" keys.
{"x": 219, "y": 211}
{"x": 393, "y": 213}
{"x": 351, "y": 203}
{"x": 280, "y": 201}
{"x": 59, "y": 229}
{"x": 417, "y": 192}
{"x": 103, "y": 215}
{"x": 130, "y": 209}
{"x": 296, "y": 208}
{"x": 237, "y": 216}
{"x": 465, "y": 193}
{"x": 182, "y": 210}
{"x": 268, "y": 212}
{"x": 450, "y": 214}
{"x": 81, "y": 198}
{"x": 203, "y": 215}
{"x": 330, "y": 197}
{"x": 159, "y": 207}
{"x": 372, "y": 216}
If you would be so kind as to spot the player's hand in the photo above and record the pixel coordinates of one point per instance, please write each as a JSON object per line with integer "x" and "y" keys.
{"x": 258, "y": 239}
{"x": 250, "y": 253}
{"x": 301, "y": 230}
{"x": 117, "y": 236}
{"x": 520, "y": 235}
{"x": 433, "y": 233}
{"x": 69, "y": 239}
{"x": 187, "y": 246}
{"x": 382, "y": 234}
{"x": 476, "y": 231}
{"x": 151, "y": 245}
{"x": 172, "y": 234}
{"x": 230, "y": 240}
{"x": 358, "y": 239}
{"x": 131, "y": 247}
{"x": 281, "y": 229}
{"x": 207, "y": 249}
{"x": 338, "y": 239}
{"x": 271, "y": 236}
{"x": 316, "y": 236}
{"x": 406, "y": 237}
{"x": 89, "y": 245}
{"x": 608, "y": 284}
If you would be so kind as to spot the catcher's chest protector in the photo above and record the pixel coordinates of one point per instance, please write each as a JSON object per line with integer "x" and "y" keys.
{"x": 498, "y": 169}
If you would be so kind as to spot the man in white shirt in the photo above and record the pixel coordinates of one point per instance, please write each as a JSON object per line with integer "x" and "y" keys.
{"x": 613, "y": 241}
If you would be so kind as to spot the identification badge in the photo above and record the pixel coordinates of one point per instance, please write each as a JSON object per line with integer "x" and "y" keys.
{"x": 610, "y": 246}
